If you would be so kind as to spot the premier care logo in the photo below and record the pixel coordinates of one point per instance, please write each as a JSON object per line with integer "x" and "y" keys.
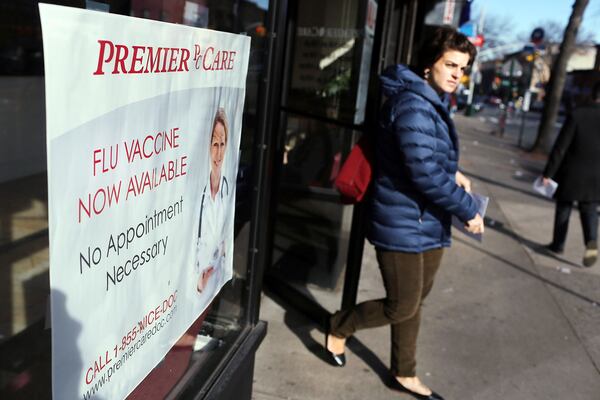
{"x": 124, "y": 59}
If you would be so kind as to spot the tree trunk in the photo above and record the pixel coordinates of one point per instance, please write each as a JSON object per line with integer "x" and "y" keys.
{"x": 557, "y": 79}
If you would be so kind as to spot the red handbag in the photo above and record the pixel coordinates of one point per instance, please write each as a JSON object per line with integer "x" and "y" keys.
{"x": 356, "y": 173}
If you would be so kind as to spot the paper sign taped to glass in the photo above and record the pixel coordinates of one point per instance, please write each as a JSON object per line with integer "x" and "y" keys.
{"x": 482, "y": 203}
{"x": 144, "y": 121}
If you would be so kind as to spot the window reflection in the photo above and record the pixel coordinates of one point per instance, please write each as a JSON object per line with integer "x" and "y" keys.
{"x": 326, "y": 44}
{"x": 329, "y": 59}
{"x": 313, "y": 153}
{"x": 312, "y": 228}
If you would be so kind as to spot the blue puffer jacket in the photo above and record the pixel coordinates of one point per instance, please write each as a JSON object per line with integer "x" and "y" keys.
{"x": 414, "y": 192}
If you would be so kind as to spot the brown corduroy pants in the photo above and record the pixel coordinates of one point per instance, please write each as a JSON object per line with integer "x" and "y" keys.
{"x": 408, "y": 278}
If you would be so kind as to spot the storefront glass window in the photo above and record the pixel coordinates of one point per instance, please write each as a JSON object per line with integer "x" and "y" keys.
{"x": 24, "y": 287}
{"x": 328, "y": 61}
{"x": 312, "y": 227}
{"x": 327, "y": 47}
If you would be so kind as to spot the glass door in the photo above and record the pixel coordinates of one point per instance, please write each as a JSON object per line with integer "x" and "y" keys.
{"x": 327, "y": 67}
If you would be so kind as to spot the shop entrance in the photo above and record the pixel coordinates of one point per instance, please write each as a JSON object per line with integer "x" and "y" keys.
{"x": 319, "y": 121}
{"x": 329, "y": 89}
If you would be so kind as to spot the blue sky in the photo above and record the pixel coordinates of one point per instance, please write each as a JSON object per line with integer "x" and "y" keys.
{"x": 526, "y": 13}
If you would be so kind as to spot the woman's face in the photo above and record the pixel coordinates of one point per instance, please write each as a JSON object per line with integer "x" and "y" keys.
{"x": 217, "y": 147}
{"x": 445, "y": 74}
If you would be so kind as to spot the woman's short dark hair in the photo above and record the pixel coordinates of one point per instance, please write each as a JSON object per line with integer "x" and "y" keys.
{"x": 440, "y": 41}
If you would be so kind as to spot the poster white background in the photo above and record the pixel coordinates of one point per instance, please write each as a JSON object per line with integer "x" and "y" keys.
{"x": 124, "y": 222}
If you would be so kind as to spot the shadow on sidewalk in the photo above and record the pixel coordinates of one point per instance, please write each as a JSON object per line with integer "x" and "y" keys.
{"x": 531, "y": 274}
{"x": 535, "y": 246}
{"x": 302, "y": 324}
{"x": 504, "y": 185}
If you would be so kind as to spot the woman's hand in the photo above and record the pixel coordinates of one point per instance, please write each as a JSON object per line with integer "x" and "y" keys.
{"x": 475, "y": 225}
{"x": 545, "y": 181}
{"x": 463, "y": 181}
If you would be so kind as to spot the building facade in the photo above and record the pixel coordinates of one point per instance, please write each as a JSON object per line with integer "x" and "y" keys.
{"x": 312, "y": 90}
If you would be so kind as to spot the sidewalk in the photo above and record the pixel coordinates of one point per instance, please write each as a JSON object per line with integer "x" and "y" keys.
{"x": 505, "y": 320}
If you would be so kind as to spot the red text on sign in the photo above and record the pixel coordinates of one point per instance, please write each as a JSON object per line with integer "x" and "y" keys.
{"x": 123, "y": 59}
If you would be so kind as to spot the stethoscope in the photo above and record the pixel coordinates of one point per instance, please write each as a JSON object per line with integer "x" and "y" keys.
{"x": 224, "y": 188}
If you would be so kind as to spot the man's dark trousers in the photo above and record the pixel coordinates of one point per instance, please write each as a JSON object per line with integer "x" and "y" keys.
{"x": 589, "y": 222}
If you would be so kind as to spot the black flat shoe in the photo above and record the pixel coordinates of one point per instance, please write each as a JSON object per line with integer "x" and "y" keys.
{"x": 338, "y": 360}
{"x": 395, "y": 385}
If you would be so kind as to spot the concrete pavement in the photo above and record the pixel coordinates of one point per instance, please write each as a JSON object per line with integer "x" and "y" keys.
{"x": 505, "y": 320}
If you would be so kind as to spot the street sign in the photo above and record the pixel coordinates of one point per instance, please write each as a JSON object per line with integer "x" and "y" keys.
{"x": 467, "y": 29}
{"x": 529, "y": 48}
{"x": 449, "y": 12}
{"x": 477, "y": 40}
{"x": 444, "y": 12}
{"x": 537, "y": 35}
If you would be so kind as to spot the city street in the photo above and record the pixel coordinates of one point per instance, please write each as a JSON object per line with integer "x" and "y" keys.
{"x": 172, "y": 224}
{"x": 505, "y": 320}
{"x": 520, "y": 127}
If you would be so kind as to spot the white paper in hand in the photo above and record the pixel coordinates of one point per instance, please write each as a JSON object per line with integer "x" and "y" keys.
{"x": 546, "y": 191}
{"x": 482, "y": 203}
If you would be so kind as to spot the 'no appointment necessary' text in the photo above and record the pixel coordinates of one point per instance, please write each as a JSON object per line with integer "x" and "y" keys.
{"x": 129, "y": 241}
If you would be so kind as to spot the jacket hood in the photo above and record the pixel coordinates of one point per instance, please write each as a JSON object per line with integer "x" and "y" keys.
{"x": 398, "y": 78}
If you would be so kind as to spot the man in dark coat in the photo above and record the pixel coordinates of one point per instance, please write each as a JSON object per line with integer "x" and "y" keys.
{"x": 574, "y": 164}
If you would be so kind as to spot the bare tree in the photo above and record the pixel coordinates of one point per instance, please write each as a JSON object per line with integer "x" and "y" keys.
{"x": 495, "y": 30}
{"x": 557, "y": 77}
{"x": 554, "y": 32}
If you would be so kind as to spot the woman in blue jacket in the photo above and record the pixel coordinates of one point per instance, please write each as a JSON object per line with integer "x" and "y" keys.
{"x": 417, "y": 188}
